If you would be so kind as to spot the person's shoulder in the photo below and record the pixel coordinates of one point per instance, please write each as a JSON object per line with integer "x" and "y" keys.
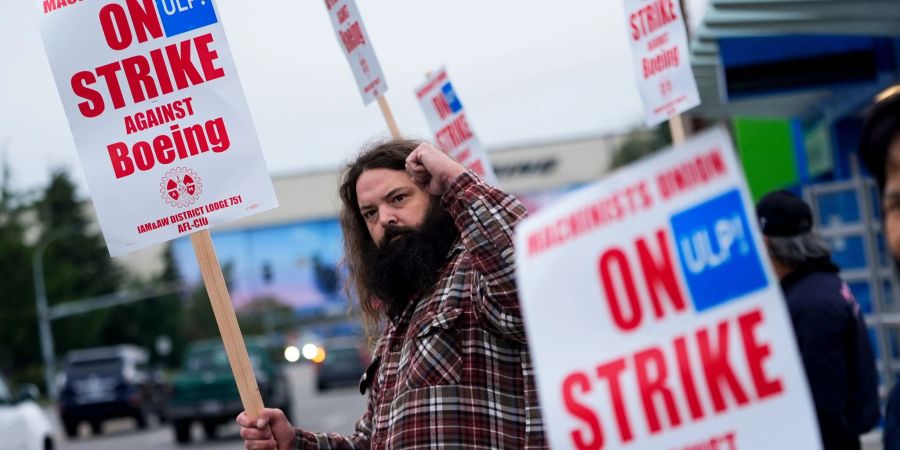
{"x": 823, "y": 282}
{"x": 821, "y": 293}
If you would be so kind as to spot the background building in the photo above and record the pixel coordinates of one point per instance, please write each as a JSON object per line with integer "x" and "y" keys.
{"x": 793, "y": 80}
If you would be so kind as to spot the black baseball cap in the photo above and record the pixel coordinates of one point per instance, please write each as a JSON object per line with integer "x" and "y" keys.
{"x": 782, "y": 214}
{"x": 881, "y": 126}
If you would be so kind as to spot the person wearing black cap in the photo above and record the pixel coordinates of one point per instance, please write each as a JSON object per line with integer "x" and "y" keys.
{"x": 828, "y": 324}
{"x": 879, "y": 150}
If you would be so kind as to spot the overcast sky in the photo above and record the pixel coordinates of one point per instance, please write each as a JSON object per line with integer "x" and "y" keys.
{"x": 526, "y": 70}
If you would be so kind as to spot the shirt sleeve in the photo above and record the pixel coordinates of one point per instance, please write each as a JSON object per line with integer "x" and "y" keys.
{"x": 332, "y": 441}
{"x": 486, "y": 218}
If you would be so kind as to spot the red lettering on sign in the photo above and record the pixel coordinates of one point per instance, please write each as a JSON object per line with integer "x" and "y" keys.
{"x": 724, "y": 441}
{"x": 187, "y": 142}
{"x": 660, "y": 272}
{"x": 612, "y": 372}
{"x": 93, "y": 107}
{"x": 352, "y": 37}
{"x": 652, "y": 382}
{"x": 657, "y": 272}
{"x": 431, "y": 85}
{"x": 756, "y": 353}
{"x": 613, "y": 266}
{"x": 330, "y": 3}
{"x": 593, "y": 440}
{"x": 477, "y": 167}
{"x": 658, "y": 42}
{"x": 159, "y": 115}
{"x": 454, "y": 135}
{"x": 663, "y": 61}
{"x": 688, "y": 175}
{"x": 441, "y": 106}
{"x": 463, "y": 155}
{"x": 52, "y": 5}
{"x": 343, "y": 14}
{"x": 659, "y": 395}
{"x": 118, "y": 31}
{"x": 140, "y": 81}
{"x": 108, "y": 72}
{"x": 687, "y": 378}
{"x": 717, "y": 368}
{"x": 609, "y": 209}
{"x": 145, "y": 83}
{"x": 651, "y": 18}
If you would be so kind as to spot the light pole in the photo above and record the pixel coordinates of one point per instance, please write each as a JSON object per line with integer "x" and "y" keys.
{"x": 43, "y": 311}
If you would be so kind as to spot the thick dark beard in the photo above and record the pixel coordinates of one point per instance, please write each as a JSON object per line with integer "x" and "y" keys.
{"x": 402, "y": 268}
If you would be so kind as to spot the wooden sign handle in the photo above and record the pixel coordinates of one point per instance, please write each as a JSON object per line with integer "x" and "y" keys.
{"x": 677, "y": 129}
{"x": 228, "y": 324}
{"x": 389, "y": 117}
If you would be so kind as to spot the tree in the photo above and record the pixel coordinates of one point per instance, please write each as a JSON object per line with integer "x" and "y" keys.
{"x": 264, "y": 314}
{"x": 18, "y": 320}
{"x": 76, "y": 263}
{"x": 198, "y": 321}
{"x": 143, "y": 322}
{"x": 640, "y": 143}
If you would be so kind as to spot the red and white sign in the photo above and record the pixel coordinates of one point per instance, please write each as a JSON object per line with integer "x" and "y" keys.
{"x": 661, "y": 58}
{"x": 448, "y": 121}
{"x": 355, "y": 43}
{"x": 654, "y": 319}
{"x": 158, "y": 115}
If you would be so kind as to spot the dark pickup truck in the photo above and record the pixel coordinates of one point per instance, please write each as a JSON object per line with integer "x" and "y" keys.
{"x": 205, "y": 391}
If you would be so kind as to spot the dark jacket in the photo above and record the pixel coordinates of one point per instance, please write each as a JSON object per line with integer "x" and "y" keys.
{"x": 891, "y": 436}
{"x": 834, "y": 345}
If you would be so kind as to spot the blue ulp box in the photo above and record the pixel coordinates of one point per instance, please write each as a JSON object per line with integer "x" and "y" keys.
{"x": 718, "y": 256}
{"x": 181, "y": 16}
{"x": 452, "y": 99}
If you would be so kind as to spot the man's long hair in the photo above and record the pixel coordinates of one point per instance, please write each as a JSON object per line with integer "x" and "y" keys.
{"x": 383, "y": 155}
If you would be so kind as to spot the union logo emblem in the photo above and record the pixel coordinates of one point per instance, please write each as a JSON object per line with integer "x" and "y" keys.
{"x": 180, "y": 187}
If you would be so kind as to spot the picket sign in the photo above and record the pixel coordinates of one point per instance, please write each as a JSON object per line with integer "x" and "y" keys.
{"x": 453, "y": 133}
{"x": 357, "y": 48}
{"x": 659, "y": 44}
{"x": 162, "y": 128}
{"x": 677, "y": 334}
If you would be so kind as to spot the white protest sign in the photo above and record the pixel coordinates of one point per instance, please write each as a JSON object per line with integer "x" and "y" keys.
{"x": 355, "y": 43}
{"x": 666, "y": 329}
{"x": 158, "y": 116}
{"x": 448, "y": 122}
{"x": 661, "y": 58}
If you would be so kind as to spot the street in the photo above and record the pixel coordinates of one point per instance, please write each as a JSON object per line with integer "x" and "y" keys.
{"x": 336, "y": 410}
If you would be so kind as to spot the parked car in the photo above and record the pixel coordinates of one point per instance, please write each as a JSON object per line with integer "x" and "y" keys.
{"x": 205, "y": 391}
{"x": 345, "y": 362}
{"x": 105, "y": 383}
{"x": 23, "y": 424}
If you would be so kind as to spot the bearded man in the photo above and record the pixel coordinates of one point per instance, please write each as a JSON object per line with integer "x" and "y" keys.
{"x": 429, "y": 248}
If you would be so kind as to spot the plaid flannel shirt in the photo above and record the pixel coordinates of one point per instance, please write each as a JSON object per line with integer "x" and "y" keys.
{"x": 454, "y": 368}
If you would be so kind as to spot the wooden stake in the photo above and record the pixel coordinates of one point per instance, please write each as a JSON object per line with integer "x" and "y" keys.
{"x": 389, "y": 117}
{"x": 228, "y": 324}
{"x": 677, "y": 129}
